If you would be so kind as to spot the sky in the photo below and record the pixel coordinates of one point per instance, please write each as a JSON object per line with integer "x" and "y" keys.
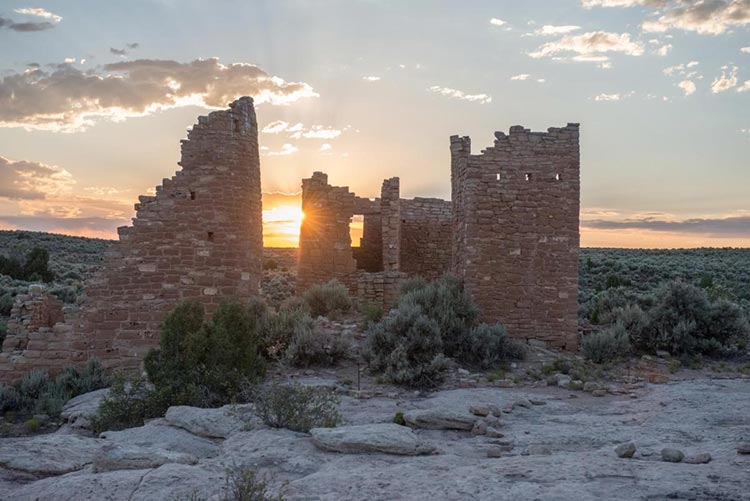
{"x": 95, "y": 97}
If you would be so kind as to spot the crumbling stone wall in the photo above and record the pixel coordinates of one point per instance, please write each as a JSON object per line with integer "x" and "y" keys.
{"x": 515, "y": 230}
{"x": 199, "y": 238}
{"x": 369, "y": 254}
{"x": 426, "y": 237}
{"x": 37, "y": 338}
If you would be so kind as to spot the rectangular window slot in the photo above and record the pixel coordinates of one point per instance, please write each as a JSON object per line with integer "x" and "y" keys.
{"x": 528, "y": 176}
{"x": 498, "y": 176}
{"x": 558, "y": 177}
{"x": 192, "y": 195}
{"x": 210, "y": 236}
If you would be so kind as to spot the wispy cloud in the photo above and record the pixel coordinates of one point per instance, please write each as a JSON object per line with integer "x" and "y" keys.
{"x": 522, "y": 76}
{"x": 67, "y": 99}
{"x": 497, "y": 22}
{"x": 299, "y": 131}
{"x": 551, "y": 30}
{"x": 745, "y": 50}
{"x": 459, "y": 94}
{"x": 735, "y": 226}
{"x": 286, "y": 149}
{"x": 711, "y": 17}
{"x": 612, "y": 97}
{"x": 727, "y": 80}
{"x": 590, "y": 47}
{"x": 371, "y": 78}
{"x": 39, "y": 12}
{"x": 21, "y": 179}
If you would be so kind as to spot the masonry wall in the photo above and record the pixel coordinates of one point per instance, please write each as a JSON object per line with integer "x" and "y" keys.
{"x": 198, "y": 238}
{"x": 426, "y": 237}
{"x": 516, "y": 237}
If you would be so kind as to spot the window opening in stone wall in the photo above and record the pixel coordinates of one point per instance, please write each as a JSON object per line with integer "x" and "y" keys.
{"x": 498, "y": 176}
{"x": 210, "y": 236}
{"x": 557, "y": 177}
{"x": 192, "y": 195}
{"x": 528, "y": 176}
{"x": 236, "y": 125}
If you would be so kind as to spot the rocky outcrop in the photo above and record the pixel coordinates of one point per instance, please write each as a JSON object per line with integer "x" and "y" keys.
{"x": 212, "y": 423}
{"x": 386, "y": 438}
{"x": 114, "y": 457}
{"x": 46, "y": 455}
{"x": 158, "y": 435}
{"x": 440, "y": 419}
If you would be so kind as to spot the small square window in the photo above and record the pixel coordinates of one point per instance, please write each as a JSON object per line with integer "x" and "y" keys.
{"x": 528, "y": 176}
{"x": 192, "y": 195}
{"x": 558, "y": 177}
{"x": 210, "y": 236}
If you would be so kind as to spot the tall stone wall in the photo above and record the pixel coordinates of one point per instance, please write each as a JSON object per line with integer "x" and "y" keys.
{"x": 426, "y": 237}
{"x": 516, "y": 237}
{"x": 199, "y": 238}
{"x": 325, "y": 244}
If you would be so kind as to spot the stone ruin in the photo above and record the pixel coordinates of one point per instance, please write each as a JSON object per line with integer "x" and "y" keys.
{"x": 198, "y": 238}
{"x": 510, "y": 232}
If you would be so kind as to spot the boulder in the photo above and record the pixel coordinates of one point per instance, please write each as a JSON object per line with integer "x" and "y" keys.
{"x": 386, "y": 438}
{"x": 47, "y": 455}
{"x": 625, "y": 450}
{"x": 79, "y": 410}
{"x": 158, "y": 435}
{"x": 213, "y": 423}
{"x": 114, "y": 457}
{"x": 109, "y": 486}
{"x": 438, "y": 419}
{"x": 672, "y": 455}
{"x": 702, "y": 458}
{"x": 743, "y": 448}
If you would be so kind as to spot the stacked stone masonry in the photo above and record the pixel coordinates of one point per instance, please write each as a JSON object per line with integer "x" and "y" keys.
{"x": 516, "y": 230}
{"x": 198, "y": 238}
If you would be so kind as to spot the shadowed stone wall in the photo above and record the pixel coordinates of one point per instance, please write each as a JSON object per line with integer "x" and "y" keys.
{"x": 426, "y": 237}
{"x": 198, "y": 238}
{"x": 515, "y": 230}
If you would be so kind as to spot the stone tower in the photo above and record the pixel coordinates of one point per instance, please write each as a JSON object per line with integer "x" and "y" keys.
{"x": 516, "y": 236}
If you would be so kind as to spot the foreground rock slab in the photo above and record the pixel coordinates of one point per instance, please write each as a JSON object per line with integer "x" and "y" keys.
{"x": 159, "y": 435}
{"x": 47, "y": 455}
{"x": 386, "y": 438}
{"x": 114, "y": 457}
{"x": 79, "y": 410}
{"x": 440, "y": 419}
{"x": 212, "y": 423}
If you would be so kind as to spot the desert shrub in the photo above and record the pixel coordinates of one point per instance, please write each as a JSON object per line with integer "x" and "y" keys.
{"x": 37, "y": 393}
{"x": 279, "y": 329}
{"x": 270, "y": 264}
{"x": 3, "y": 330}
{"x": 635, "y": 321}
{"x": 297, "y": 407}
{"x": 606, "y": 345}
{"x": 412, "y": 284}
{"x": 32, "y": 425}
{"x": 406, "y": 347}
{"x": 244, "y": 484}
{"x": 371, "y": 313}
{"x": 6, "y": 304}
{"x": 487, "y": 346}
{"x": 311, "y": 346}
{"x": 327, "y": 299}
{"x": 447, "y": 303}
{"x": 206, "y": 363}
{"x": 128, "y": 404}
{"x": 277, "y": 287}
{"x": 684, "y": 321}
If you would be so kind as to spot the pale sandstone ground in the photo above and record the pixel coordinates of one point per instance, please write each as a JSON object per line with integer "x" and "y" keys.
{"x": 571, "y": 440}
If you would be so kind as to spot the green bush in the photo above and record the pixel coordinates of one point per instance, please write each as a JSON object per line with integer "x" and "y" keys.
{"x": 37, "y": 393}
{"x": 684, "y": 321}
{"x": 606, "y": 345}
{"x": 6, "y": 304}
{"x": 330, "y": 298}
{"x": 32, "y": 425}
{"x": 207, "y": 363}
{"x": 127, "y": 404}
{"x": 447, "y": 303}
{"x": 312, "y": 347}
{"x": 244, "y": 484}
{"x": 407, "y": 349}
{"x": 297, "y": 407}
{"x": 488, "y": 346}
{"x": 371, "y": 313}
{"x": 279, "y": 330}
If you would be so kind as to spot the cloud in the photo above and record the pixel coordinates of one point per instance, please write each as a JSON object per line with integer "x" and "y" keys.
{"x": 118, "y": 52}
{"x": 286, "y": 149}
{"x": 610, "y": 97}
{"x": 745, "y": 50}
{"x": 590, "y": 47}
{"x": 25, "y": 27}
{"x": 712, "y": 17}
{"x": 522, "y": 76}
{"x": 726, "y": 81}
{"x": 326, "y": 147}
{"x": 39, "y": 12}
{"x": 550, "y": 30}
{"x": 67, "y": 99}
{"x": 497, "y": 22}
{"x": 735, "y": 226}
{"x": 745, "y": 87}
{"x": 371, "y": 79}
{"x": 688, "y": 87}
{"x": 299, "y": 131}
{"x": 459, "y": 94}
{"x": 24, "y": 180}
{"x": 664, "y": 50}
